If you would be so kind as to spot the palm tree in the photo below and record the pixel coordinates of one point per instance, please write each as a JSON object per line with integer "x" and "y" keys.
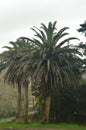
{"x": 50, "y": 63}
{"x": 15, "y": 72}
{"x": 7, "y": 64}
{"x": 48, "y": 60}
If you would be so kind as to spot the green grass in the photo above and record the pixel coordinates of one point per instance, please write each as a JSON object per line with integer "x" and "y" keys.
{"x": 39, "y": 125}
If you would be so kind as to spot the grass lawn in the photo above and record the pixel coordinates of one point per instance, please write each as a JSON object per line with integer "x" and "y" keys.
{"x": 60, "y": 126}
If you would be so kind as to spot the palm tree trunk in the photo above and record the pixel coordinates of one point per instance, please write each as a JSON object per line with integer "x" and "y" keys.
{"x": 18, "y": 103}
{"x": 26, "y": 103}
{"x": 47, "y": 109}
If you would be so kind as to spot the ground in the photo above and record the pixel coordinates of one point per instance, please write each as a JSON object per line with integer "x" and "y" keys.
{"x": 30, "y": 129}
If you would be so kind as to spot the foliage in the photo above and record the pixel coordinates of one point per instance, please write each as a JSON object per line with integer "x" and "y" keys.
{"x": 82, "y": 28}
{"x": 82, "y": 45}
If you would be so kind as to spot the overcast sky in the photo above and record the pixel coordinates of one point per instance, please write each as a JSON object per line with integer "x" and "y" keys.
{"x": 18, "y": 16}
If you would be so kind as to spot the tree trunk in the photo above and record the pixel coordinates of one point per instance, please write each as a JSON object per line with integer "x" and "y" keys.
{"x": 47, "y": 109}
{"x": 18, "y": 104}
{"x": 26, "y": 103}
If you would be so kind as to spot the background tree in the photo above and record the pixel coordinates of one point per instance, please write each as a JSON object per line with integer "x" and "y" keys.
{"x": 82, "y": 28}
{"x": 82, "y": 45}
{"x": 11, "y": 61}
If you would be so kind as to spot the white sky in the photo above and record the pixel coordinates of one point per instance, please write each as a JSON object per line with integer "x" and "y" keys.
{"x": 18, "y": 16}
